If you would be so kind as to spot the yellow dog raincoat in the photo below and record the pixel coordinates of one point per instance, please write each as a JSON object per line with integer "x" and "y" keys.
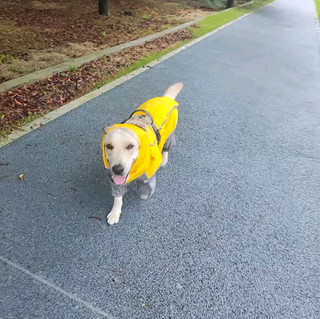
{"x": 164, "y": 114}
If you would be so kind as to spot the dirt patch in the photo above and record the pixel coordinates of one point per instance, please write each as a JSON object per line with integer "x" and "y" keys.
{"x": 39, "y": 34}
{"x": 194, "y": 14}
{"x": 49, "y": 94}
{"x": 16, "y": 41}
{"x": 40, "y": 59}
{"x": 38, "y": 5}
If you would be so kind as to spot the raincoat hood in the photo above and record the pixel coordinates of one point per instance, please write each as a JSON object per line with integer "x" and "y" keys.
{"x": 165, "y": 115}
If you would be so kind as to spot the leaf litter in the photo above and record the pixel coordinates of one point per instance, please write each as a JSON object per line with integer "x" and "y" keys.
{"x": 43, "y": 96}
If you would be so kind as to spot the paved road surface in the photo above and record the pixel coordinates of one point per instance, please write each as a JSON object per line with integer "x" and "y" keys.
{"x": 233, "y": 229}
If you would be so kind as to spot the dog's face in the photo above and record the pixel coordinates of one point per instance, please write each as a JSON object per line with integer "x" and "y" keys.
{"x": 122, "y": 149}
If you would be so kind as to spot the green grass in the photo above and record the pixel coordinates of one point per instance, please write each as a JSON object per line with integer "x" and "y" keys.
{"x": 144, "y": 16}
{"x": 137, "y": 65}
{"x": 4, "y": 58}
{"x": 147, "y": 59}
{"x": 215, "y": 21}
{"x": 317, "y": 3}
{"x": 212, "y": 3}
{"x": 32, "y": 117}
{"x": 7, "y": 129}
{"x": 16, "y": 70}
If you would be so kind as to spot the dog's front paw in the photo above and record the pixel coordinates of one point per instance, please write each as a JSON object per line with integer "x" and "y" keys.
{"x": 164, "y": 159}
{"x": 113, "y": 217}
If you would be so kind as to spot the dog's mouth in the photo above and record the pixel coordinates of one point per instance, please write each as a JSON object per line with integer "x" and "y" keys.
{"x": 119, "y": 179}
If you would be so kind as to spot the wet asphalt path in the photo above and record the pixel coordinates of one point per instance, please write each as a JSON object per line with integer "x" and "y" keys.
{"x": 233, "y": 228}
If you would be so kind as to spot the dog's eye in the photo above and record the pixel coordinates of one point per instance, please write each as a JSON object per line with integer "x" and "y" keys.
{"x": 129, "y": 147}
{"x": 109, "y": 146}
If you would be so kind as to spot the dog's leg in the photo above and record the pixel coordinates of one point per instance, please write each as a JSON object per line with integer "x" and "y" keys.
{"x": 168, "y": 145}
{"x": 164, "y": 158}
{"x": 114, "y": 215}
{"x": 146, "y": 186}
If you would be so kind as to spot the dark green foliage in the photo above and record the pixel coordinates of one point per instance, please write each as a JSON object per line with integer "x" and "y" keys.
{"x": 212, "y": 3}
{"x": 229, "y": 4}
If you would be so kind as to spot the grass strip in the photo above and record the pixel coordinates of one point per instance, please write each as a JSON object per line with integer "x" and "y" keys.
{"x": 317, "y": 3}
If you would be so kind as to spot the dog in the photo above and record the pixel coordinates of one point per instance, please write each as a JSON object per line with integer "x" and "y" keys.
{"x": 136, "y": 148}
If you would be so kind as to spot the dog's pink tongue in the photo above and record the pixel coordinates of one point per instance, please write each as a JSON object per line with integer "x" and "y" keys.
{"x": 119, "y": 180}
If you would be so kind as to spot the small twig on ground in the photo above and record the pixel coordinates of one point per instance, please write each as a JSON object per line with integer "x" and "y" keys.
{"x": 96, "y": 217}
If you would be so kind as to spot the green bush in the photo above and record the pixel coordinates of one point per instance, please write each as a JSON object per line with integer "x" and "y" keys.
{"x": 212, "y": 3}
{"x": 218, "y": 4}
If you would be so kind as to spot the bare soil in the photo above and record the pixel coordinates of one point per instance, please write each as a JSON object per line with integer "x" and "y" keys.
{"x": 38, "y": 34}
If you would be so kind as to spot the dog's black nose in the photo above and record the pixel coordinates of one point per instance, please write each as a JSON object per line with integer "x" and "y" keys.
{"x": 118, "y": 169}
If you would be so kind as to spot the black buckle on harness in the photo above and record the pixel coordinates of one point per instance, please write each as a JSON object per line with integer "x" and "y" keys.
{"x": 154, "y": 126}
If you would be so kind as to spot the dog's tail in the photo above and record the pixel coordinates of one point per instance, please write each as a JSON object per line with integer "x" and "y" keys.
{"x": 174, "y": 90}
